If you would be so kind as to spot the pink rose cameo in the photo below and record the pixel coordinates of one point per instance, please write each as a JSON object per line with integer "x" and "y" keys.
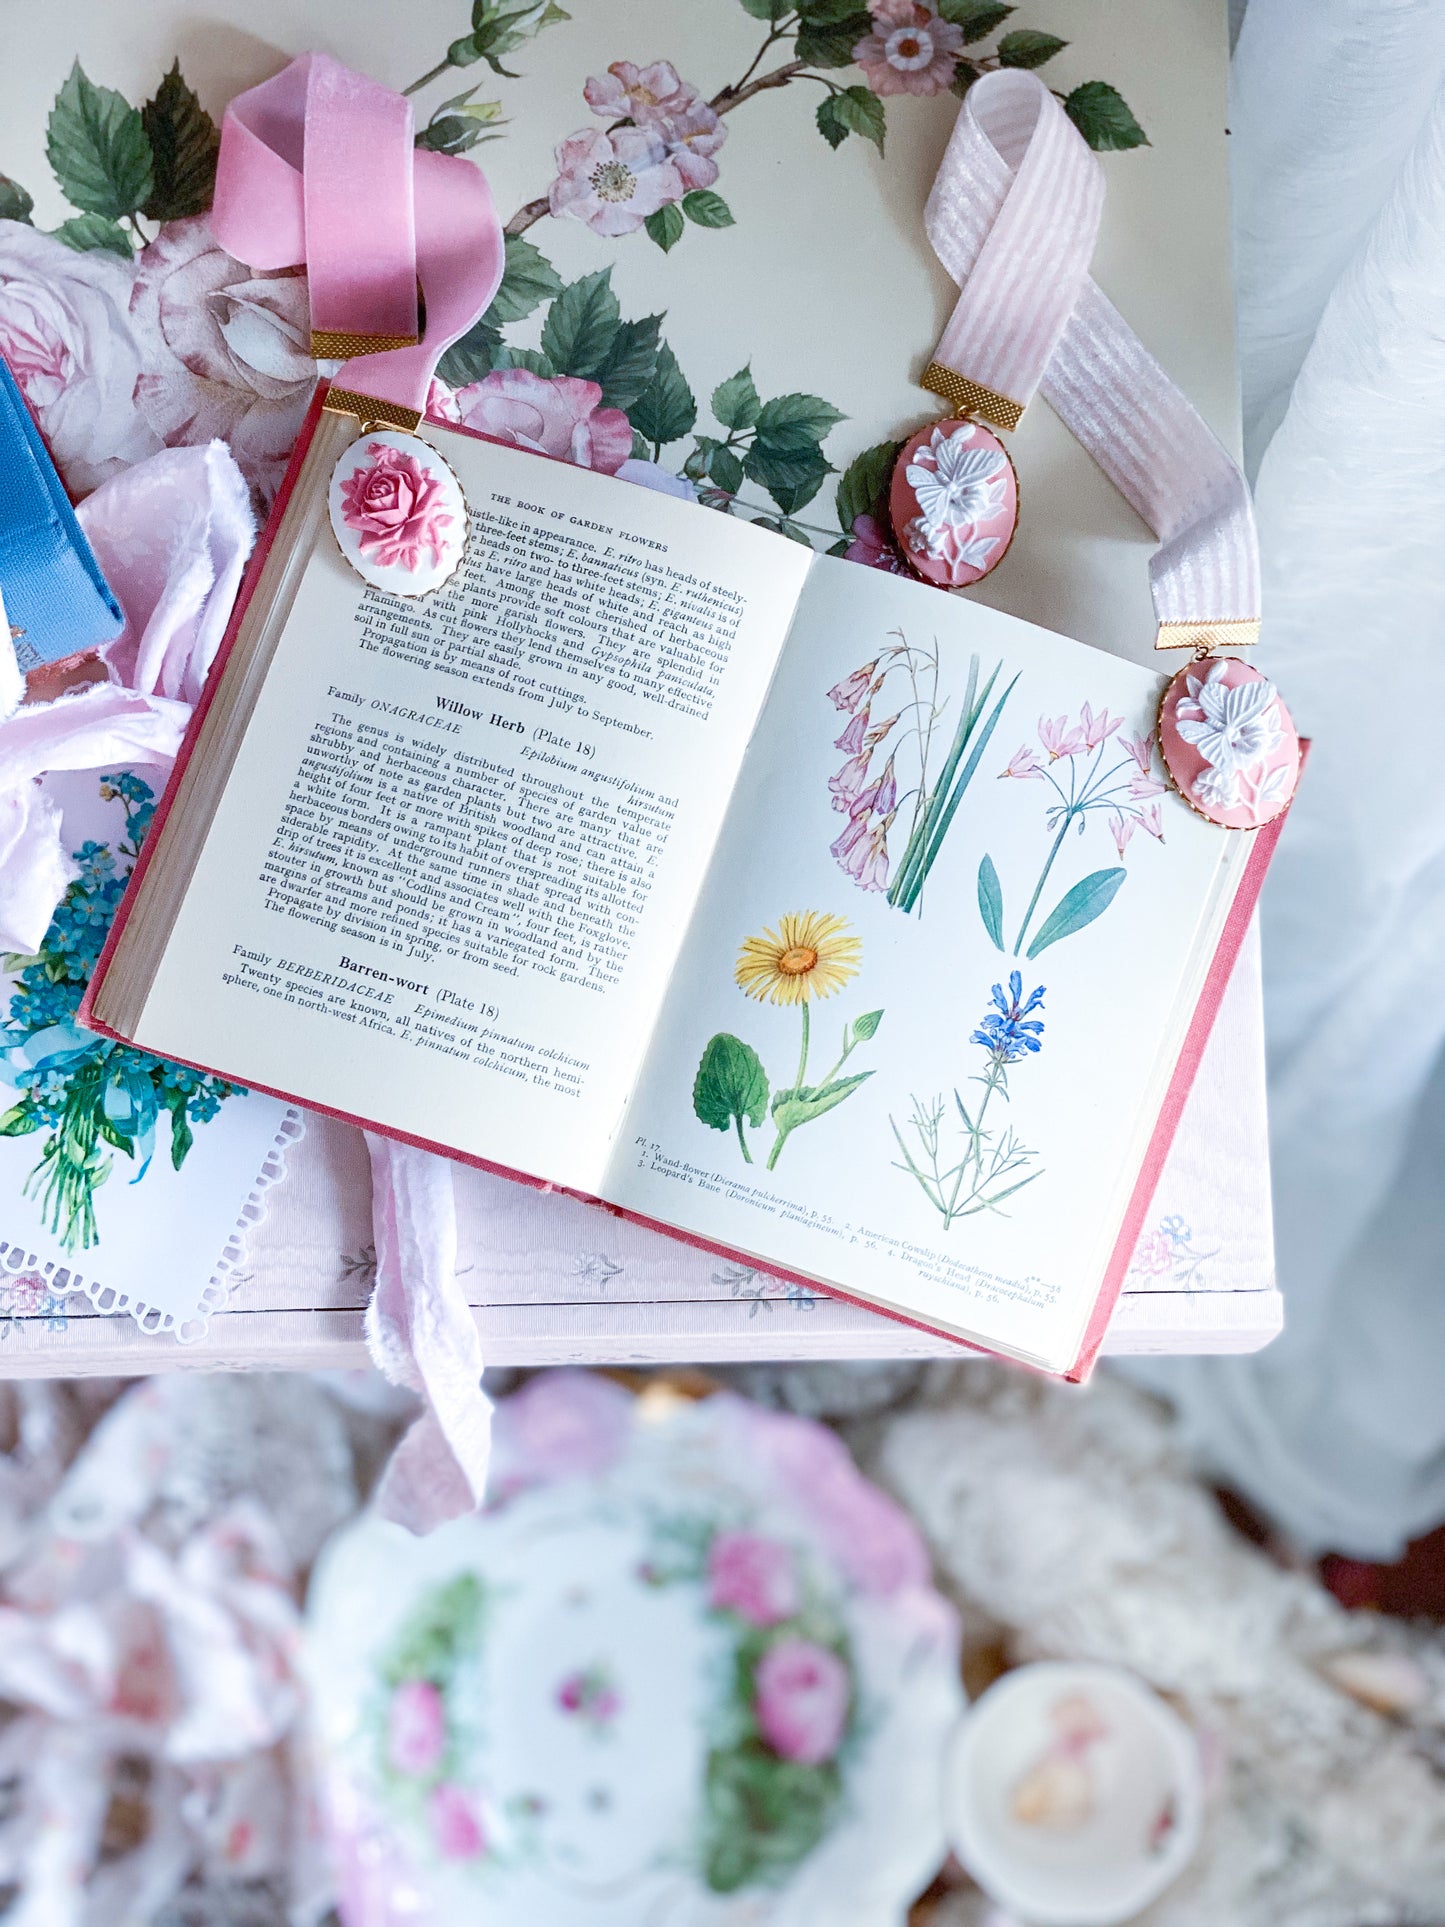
{"x": 398, "y": 513}
{"x": 397, "y": 508}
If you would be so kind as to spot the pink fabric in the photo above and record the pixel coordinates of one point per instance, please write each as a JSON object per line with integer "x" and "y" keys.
{"x": 317, "y": 166}
{"x": 172, "y": 537}
{"x": 421, "y": 1333}
{"x": 1101, "y": 381}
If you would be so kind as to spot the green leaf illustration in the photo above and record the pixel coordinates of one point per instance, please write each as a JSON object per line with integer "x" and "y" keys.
{"x": 97, "y": 146}
{"x": 865, "y": 482}
{"x": 473, "y": 356}
{"x": 731, "y": 1087}
{"x": 770, "y": 10}
{"x": 532, "y": 359}
{"x": 990, "y": 901}
{"x": 706, "y": 208}
{"x": 865, "y": 1026}
{"x": 832, "y": 45}
{"x": 15, "y": 203}
{"x": 829, "y": 13}
{"x": 764, "y": 1814}
{"x": 806, "y": 1101}
{"x": 528, "y": 279}
{"x": 581, "y": 326}
{"x": 666, "y": 226}
{"x": 631, "y": 361}
{"x": 83, "y": 232}
{"x": 19, "y": 1121}
{"x": 735, "y": 401}
{"x": 1102, "y": 116}
{"x": 726, "y": 469}
{"x": 856, "y": 110}
{"x": 792, "y": 474}
{"x": 804, "y": 417}
{"x": 1078, "y": 907}
{"x": 978, "y": 18}
{"x": 184, "y": 144}
{"x": 1029, "y": 48}
{"x": 666, "y": 409}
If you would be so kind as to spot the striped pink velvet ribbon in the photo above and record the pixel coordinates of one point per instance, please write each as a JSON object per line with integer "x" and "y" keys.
{"x": 1012, "y": 216}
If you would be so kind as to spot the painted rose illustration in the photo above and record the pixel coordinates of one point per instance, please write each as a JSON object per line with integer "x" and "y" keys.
{"x": 754, "y": 1577}
{"x": 416, "y": 1728}
{"x": 803, "y": 1694}
{"x": 560, "y": 415}
{"x": 395, "y": 507}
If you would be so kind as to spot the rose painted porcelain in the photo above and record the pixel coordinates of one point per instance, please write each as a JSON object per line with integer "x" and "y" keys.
{"x": 398, "y": 513}
{"x": 1229, "y": 743}
{"x": 688, "y": 1665}
{"x": 954, "y": 502}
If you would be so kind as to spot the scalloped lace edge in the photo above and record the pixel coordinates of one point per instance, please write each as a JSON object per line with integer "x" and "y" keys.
{"x": 63, "y": 1280}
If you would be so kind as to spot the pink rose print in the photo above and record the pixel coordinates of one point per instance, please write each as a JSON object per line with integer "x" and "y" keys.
{"x": 457, "y": 1824}
{"x": 613, "y": 181}
{"x": 654, "y": 97}
{"x": 416, "y": 1728}
{"x": 755, "y": 1578}
{"x": 561, "y": 416}
{"x": 911, "y": 49}
{"x": 22, "y": 1294}
{"x": 66, "y": 332}
{"x": 226, "y": 351}
{"x": 801, "y": 1703}
{"x": 395, "y": 506}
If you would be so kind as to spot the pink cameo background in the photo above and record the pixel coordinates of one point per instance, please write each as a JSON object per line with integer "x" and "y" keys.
{"x": 1229, "y": 743}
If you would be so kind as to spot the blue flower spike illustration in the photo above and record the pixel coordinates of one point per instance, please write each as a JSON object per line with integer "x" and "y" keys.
{"x": 989, "y": 1165}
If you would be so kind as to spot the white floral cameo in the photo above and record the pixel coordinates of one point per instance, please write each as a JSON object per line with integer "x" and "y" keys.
{"x": 1235, "y": 729}
{"x": 957, "y": 485}
{"x": 1232, "y": 728}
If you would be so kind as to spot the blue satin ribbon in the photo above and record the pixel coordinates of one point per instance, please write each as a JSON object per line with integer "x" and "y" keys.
{"x": 56, "y": 599}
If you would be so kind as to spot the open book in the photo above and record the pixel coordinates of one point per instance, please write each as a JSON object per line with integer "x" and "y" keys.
{"x": 800, "y": 909}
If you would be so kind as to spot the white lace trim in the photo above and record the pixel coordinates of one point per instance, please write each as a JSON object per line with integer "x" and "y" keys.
{"x": 63, "y": 1279}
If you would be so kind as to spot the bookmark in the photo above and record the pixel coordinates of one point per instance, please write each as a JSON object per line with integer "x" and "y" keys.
{"x": 1013, "y": 215}
{"x": 373, "y": 219}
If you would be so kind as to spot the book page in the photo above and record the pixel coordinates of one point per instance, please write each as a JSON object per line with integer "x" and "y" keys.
{"x": 939, "y": 972}
{"x": 447, "y": 880}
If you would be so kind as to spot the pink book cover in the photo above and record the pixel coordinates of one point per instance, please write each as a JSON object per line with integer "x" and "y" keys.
{"x": 1241, "y": 911}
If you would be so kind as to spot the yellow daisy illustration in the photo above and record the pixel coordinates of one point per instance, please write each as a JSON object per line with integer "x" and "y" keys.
{"x": 807, "y": 956}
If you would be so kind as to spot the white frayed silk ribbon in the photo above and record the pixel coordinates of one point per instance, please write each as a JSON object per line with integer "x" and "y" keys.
{"x": 1012, "y": 216}
{"x": 421, "y": 1335}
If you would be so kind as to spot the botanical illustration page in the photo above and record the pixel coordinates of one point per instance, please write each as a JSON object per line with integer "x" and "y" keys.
{"x": 448, "y": 877}
{"x": 939, "y": 971}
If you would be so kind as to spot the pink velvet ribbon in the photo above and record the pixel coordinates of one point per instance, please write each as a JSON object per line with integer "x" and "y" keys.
{"x": 317, "y": 168}
{"x": 1012, "y": 216}
{"x": 318, "y": 165}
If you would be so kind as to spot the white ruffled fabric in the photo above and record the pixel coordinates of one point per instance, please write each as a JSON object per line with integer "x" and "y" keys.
{"x": 1338, "y": 1430}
